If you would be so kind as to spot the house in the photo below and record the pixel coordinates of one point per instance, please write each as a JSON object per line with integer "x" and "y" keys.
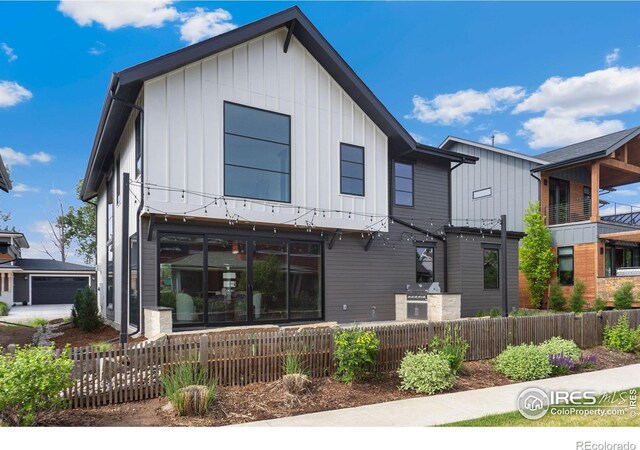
{"x": 595, "y": 240}
{"x": 254, "y": 178}
{"x": 32, "y": 281}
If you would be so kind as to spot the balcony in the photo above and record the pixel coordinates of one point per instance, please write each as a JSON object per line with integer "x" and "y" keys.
{"x": 580, "y": 210}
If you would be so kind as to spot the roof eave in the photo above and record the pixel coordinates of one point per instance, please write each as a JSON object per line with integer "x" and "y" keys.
{"x": 448, "y": 155}
{"x": 569, "y": 162}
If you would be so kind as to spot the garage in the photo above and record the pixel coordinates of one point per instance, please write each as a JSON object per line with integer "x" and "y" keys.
{"x": 56, "y": 290}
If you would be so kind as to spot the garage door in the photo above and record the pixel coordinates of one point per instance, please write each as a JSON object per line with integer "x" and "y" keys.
{"x": 55, "y": 290}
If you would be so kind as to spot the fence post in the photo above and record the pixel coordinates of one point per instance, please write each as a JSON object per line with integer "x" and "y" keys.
{"x": 11, "y": 348}
{"x": 430, "y": 335}
{"x": 204, "y": 353}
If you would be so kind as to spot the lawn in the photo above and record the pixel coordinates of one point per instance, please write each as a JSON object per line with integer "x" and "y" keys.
{"x": 515, "y": 419}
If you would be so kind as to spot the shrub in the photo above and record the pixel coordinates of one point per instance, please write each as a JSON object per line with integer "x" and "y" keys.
{"x": 481, "y": 313}
{"x": 557, "y": 300}
{"x": 453, "y": 347}
{"x": 355, "y": 351}
{"x": 524, "y": 362}
{"x": 576, "y": 301}
{"x": 599, "y": 305}
{"x": 4, "y": 309}
{"x": 623, "y": 296}
{"x": 85, "y": 313}
{"x": 31, "y": 381}
{"x": 561, "y": 364}
{"x": 621, "y": 336}
{"x": 523, "y": 313}
{"x": 191, "y": 390}
{"x": 557, "y": 346}
{"x": 588, "y": 362}
{"x": 495, "y": 312}
{"x": 426, "y": 373}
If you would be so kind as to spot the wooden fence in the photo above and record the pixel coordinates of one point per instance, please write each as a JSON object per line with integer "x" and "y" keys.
{"x": 132, "y": 372}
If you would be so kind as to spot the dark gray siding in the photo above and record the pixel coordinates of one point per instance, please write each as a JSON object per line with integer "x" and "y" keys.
{"x": 20, "y": 288}
{"x": 465, "y": 262}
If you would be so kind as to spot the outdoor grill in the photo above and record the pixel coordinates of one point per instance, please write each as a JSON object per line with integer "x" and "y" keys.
{"x": 417, "y": 298}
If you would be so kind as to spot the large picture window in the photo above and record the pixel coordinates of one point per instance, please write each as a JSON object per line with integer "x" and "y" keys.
{"x": 424, "y": 264}
{"x": 138, "y": 144}
{"x": 134, "y": 290}
{"x": 257, "y": 146}
{"x": 491, "y": 268}
{"x": 565, "y": 266}
{"x": 351, "y": 169}
{"x": 110, "y": 257}
{"x": 403, "y": 184}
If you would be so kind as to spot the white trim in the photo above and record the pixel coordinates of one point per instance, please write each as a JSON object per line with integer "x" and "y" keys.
{"x": 492, "y": 149}
{"x": 482, "y": 193}
{"x": 31, "y": 276}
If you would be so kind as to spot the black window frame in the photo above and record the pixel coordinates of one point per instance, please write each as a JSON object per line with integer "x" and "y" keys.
{"x": 433, "y": 269}
{"x": 109, "y": 245}
{"x": 485, "y": 250}
{"x": 395, "y": 184}
{"x": 138, "y": 144}
{"x": 573, "y": 267}
{"x": 224, "y": 152}
{"x": 342, "y": 160}
{"x": 134, "y": 260}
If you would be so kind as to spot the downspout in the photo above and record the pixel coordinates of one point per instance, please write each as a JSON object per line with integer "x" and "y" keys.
{"x": 446, "y": 259}
{"x": 141, "y": 203}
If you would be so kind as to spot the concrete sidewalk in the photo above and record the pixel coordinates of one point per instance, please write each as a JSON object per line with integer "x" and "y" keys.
{"x": 447, "y": 408}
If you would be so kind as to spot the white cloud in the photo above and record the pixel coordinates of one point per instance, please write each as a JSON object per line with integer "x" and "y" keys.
{"x": 11, "y": 56}
{"x": 499, "y": 138}
{"x": 11, "y": 93}
{"x": 201, "y": 24}
{"x": 98, "y": 49}
{"x": 459, "y": 107}
{"x": 612, "y": 57}
{"x": 57, "y": 192}
{"x": 14, "y": 158}
{"x": 417, "y": 137}
{"x": 625, "y": 193}
{"x": 573, "y": 107}
{"x": 116, "y": 14}
{"x": 21, "y": 187}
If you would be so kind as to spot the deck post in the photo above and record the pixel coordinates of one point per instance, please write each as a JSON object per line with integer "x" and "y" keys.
{"x": 595, "y": 189}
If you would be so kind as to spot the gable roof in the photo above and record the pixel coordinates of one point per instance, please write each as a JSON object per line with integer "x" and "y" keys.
{"x": 50, "y": 265}
{"x": 126, "y": 85}
{"x": 587, "y": 150}
{"x": 5, "y": 180}
{"x": 450, "y": 141}
{"x": 20, "y": 238}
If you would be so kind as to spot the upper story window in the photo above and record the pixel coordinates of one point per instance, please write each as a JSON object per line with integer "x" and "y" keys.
{"x": 491, "y": 267}
{"x": 565, "y": 266}
{"x": 138, "y": 144}
{"x": 117, "y": 175}
{"x": 403, "y": 184}
{"x": 257, "y": 153}
{"x": 110, "y": 224}
{"x": 351, "y": 169}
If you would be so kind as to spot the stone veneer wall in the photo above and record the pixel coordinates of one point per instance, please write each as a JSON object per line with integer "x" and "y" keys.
{"x": 607, "y": 286}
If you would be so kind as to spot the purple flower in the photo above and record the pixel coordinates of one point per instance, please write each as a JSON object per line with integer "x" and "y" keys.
{"x": 588, "y": 361}
{"x": 561, "y": 364}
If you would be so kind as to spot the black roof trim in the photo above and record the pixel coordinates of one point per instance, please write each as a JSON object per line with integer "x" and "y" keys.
{"x": 126, "y": 85}
{"x": 5, "y": 179}
{"x": 423, "y": 149}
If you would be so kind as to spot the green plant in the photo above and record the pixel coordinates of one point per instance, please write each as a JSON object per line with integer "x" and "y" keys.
{"x": 293, "y": 364}
{"x": 85, "y": 313}
{"x": 621, "y": 336}
{"x": 190, "y": 389}
{"x": 524, "y": 362}
{"x": 452, "y": 347}
{"x": 355, "y": 351}
{"x": 495, "y": 312}
{"x": 481, "y": 313}
{"x": 557, "y": 345}
{"x": 523, "y": 313}
{"x": 557, "y": 300}
{"x": 101, "y": 346}
{"x": 599, "y": 305}
{"x": 39, "y": 322}
{"x": 576, "y": 301}
{"x": 31, "y": 381}
{"x": 623, "y": 296}
{"x": 4, "y": 309}
{"x": 537, "y": 261}
{"x": 426, "y": 372}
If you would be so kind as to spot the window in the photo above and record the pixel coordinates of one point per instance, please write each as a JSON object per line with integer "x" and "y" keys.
{"x": 138, "y": 144}
{"x": 117, "y": 175}
{"x": 6, "y": 282}
{"x": 134, "y": 298}
{"x": 110, "y": 227}
{"x": 110, "y": 210}
{"x": 424, "y": 264}
{"x": 482, "y": 193}
{"x": 491, "y": 266}
{"x": 256, "y": 153}
{"x": 403, "y": 184}
{"x": 565, "y": 266}
{"x": 351, "y": 169}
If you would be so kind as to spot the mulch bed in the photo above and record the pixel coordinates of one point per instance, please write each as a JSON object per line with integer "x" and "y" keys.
{"x": 261, "y": 401}
{"x": 15, "y": 335}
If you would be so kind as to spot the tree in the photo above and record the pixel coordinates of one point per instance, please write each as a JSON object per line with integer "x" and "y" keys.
{"x": 576, "y": 301}
{"x": 81, "y": 229}
{"x": 59, "y": 233}
{"x": 557, "y": 301}
{"x": 537, "y": 261}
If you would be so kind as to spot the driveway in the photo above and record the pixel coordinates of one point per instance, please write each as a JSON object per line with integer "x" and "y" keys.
{"x": 49, "y": 312}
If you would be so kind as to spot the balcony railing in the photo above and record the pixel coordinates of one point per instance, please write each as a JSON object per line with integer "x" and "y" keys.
{"x": 580, "y": 210}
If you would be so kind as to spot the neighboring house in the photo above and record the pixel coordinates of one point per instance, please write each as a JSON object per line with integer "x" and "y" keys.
{"x": 500, "y": 182}
{"x": 31, "y": 281}
{"x": 596, "y": 241}
{"x": 269, "y": 185}
{"x": 5, "y": 179}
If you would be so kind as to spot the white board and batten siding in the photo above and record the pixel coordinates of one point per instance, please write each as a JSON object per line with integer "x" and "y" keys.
{"x": 503, "y": 185}
{"x": 184, "y": 134}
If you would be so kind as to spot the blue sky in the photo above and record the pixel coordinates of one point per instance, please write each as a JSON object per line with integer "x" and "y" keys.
{"x": 537, "y": 75}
